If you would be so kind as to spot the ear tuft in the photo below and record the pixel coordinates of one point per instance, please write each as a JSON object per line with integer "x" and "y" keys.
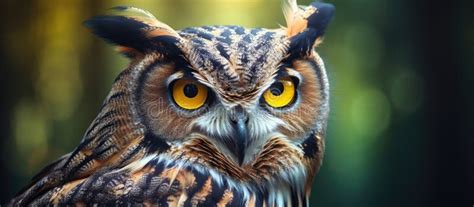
{"x": 133, "y": 30}
{"x": 306, "y": 25}
{"x": 317, "y": 15}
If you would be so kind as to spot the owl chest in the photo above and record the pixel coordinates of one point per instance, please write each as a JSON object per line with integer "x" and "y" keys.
{"x": 173, "y": 183}
{"x": 170, "y": 183}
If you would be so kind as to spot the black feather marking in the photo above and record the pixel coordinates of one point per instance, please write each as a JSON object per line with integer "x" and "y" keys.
{"x": 205, "y": 35}
{"x": 103, "y": 138}
{"x": 78, "y": 168}
{"x": 322, "y": 17}
{"x": 208, "y": 56}
{"x": 116, "y": 95}
{"x": 222, "y": 51}
{"x": 304, "y": 199}
{"x": 239, "y": 30}
{"x": 255, "y": 31}
{"x": 237, "y": 199}
{"x": 200, "y": 181}
{"x": 294, "y": 197}
{"x": 208, "y": 28}
{"x": 215, "y": 195}
{"x": 247, "y": 38}
{"x": 310, "y": 146}
{"x": 107, "y": 127}
{"x": 258, "y": 200}
{"x": 130, "y": 155}
{"x": 225, "y": 37}
{"x": 96, "y": 123}
{"x": 154, "y": 143}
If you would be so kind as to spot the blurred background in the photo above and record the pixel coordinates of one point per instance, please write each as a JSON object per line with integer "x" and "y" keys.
{"x": 402, "y": 75}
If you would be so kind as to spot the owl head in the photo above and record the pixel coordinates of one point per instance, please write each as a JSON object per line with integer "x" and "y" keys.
{"x": 249, "y": 106}
{"x": 249, "y": 103}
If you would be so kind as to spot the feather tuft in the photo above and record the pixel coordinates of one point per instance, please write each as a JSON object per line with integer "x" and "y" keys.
{"x": 299, "y": 19}
{"x": 306, "y": 25}
{"x": 134, "y": 31}
{"x": 295, "y": 21}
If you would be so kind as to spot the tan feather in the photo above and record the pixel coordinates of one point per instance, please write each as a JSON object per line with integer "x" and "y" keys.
{"x": 294, "y": 16}
{"x": 157, "y": 28}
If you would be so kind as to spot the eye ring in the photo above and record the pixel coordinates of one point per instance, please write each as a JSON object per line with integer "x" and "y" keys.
{"x": 189, "y": 94}
{"x": 281, "y": 93}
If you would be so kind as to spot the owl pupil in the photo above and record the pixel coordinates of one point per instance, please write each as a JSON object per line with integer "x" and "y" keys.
{"x": 277, "y": 89}
{"x": 190, "y": 90}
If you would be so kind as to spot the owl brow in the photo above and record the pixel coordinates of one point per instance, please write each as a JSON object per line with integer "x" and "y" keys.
{"x": 189, "y": 72}
{"x": 183, "y": 69}
{"x": 294, "y": 73}
{"x": 174, "y": 77}
{"x": 288, "y": 71}
{"x": 185, "y": 74}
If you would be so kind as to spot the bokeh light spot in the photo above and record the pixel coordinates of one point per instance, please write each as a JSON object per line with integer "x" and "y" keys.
{"x": 370, "y": 113}
{"x": 31, "y": 134}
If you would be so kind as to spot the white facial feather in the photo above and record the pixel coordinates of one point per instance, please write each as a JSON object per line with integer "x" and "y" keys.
{"x": 261, "y": 126}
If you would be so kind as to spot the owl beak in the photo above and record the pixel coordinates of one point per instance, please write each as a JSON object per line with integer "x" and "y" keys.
{"x": 239, "y": 119}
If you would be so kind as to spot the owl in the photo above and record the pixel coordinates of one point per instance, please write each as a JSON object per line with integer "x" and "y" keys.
{"x": 204, "y": 116}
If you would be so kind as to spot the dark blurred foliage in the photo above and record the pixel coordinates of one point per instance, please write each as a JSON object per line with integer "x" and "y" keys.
{"x": 400, "y": 132}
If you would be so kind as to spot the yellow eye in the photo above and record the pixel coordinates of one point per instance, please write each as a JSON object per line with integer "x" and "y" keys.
{"x": 189, "y": 94}
{"x": 280, "y": 93}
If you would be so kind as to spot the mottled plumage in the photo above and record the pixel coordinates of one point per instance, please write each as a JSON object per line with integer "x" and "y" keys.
{"x": 220, "y": 140}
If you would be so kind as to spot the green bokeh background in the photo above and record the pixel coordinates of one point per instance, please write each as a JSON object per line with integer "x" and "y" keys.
{"x": 401, "y": 72}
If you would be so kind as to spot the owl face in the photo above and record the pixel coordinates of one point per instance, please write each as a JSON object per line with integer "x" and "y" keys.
{"x": 237, "y": 88}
